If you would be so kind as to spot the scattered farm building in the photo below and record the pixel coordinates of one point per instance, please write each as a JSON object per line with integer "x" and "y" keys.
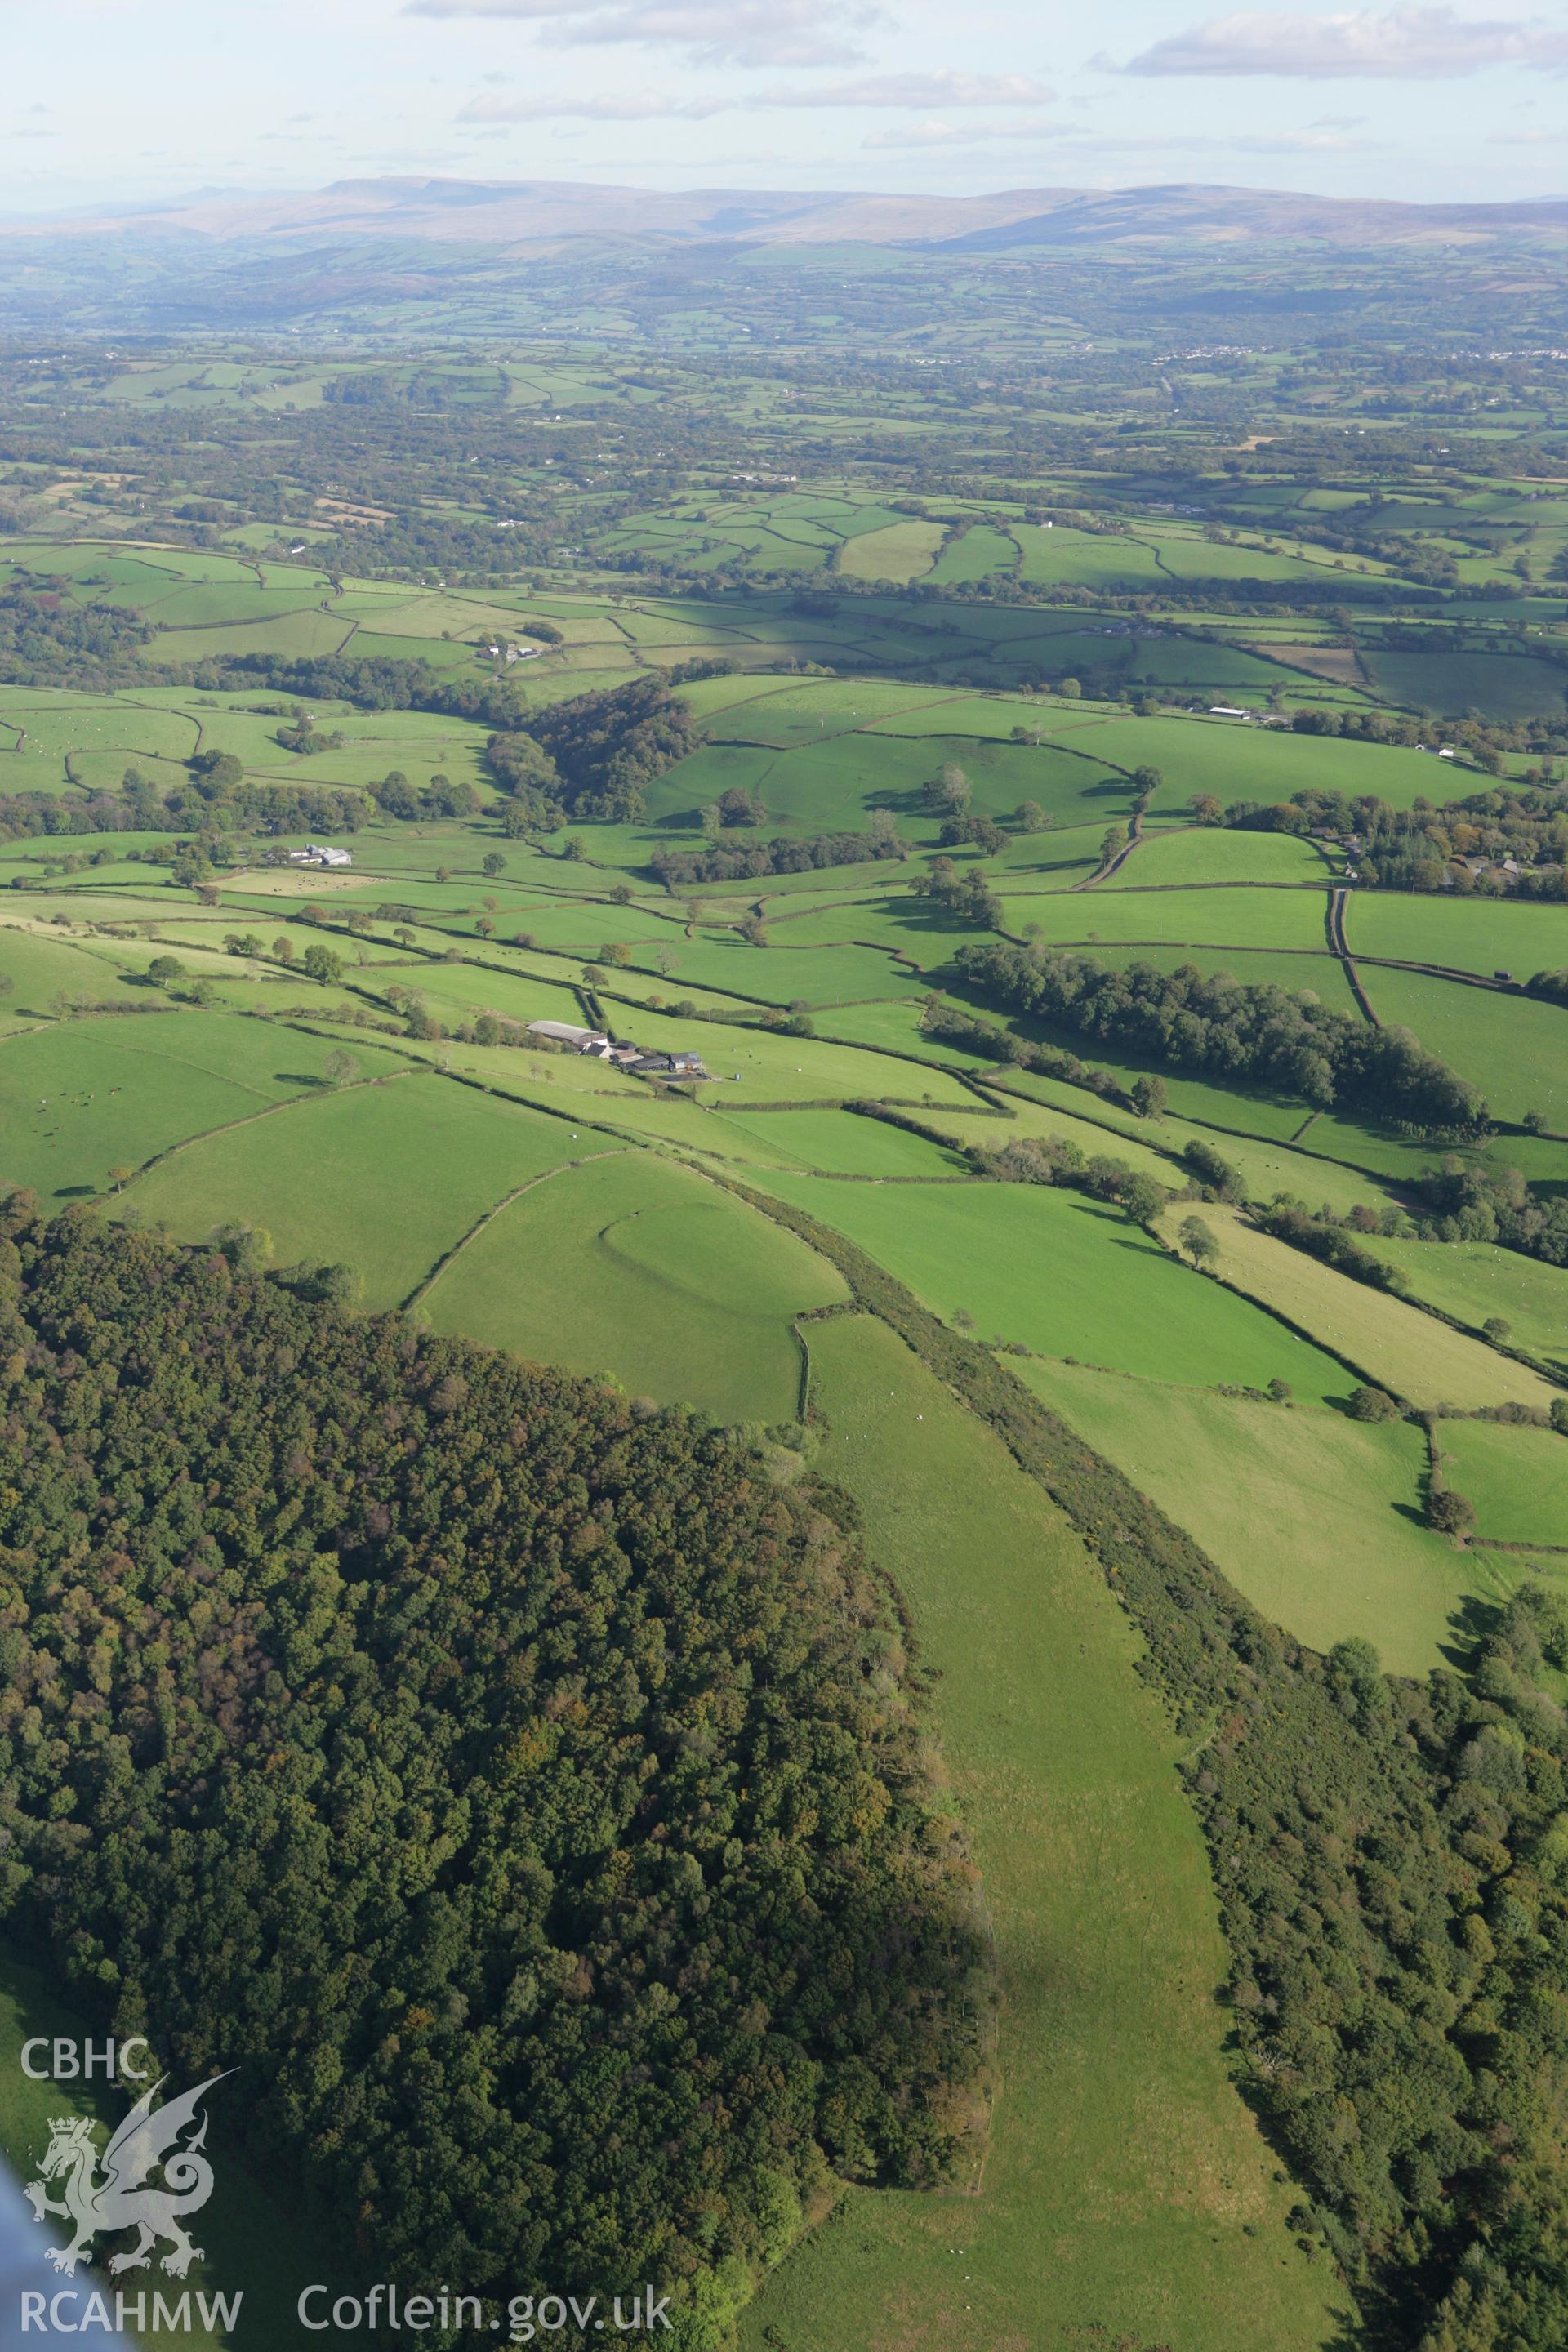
{"x": 319, "y": 853}
{"x": 564, "y": 1033}
{"x": 621, "y": 1051}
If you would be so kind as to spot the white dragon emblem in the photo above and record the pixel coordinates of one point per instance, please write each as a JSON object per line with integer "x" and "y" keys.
{"x": 146, "y": 2140}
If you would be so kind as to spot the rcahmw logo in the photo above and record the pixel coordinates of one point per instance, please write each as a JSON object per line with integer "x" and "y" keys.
{"x": 150, "y": 2178}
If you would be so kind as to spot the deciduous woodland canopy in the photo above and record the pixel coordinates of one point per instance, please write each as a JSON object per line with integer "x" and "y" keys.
{"x": 518, "y": 1786}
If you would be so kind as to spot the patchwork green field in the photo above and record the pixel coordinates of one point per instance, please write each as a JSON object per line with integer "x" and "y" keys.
{"x": 443, "y": 1157}
{"x": 1105, "y": 1927}
{"x": 649, "y": 1274}
{"x": 1516, "y": 1478}
{"x": 1476, "y": 1282}
{"x": 1321, "y": 1528}
{"x": 969, "y": 698}
{"x": 1066, "y": 1278}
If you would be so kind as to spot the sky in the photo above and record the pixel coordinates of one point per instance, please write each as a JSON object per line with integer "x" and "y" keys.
{"x": 114, "y": 101}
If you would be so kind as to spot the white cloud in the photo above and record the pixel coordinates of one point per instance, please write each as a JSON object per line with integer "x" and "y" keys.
{"x": 893, "y": 90}
{"x": 630, "y": 106}
{"x": 714, "y": 32}
{"x": 934, "y": 133}
{"x": 944, "y": 89}
{"x": 1410, "y": 44}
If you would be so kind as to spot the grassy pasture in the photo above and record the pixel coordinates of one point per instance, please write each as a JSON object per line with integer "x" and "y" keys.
{"x": 1248, "y": 915}
{"x": 1476, "y": 1280}
{"x": 781, "y": 972}
{"x": 979, "y": 552}
{"x": 900, "y": 550}
{"x": 1517, "y": 1477}
{"x": 893, "y": 1022}
{"x": 1507, "y": 686}
{"x": 832, "y": 784}
{"x": 81, "y": 1097}
{"x": 1264, "y": 1167}
{"x": 1127, "y": 2195}
{"x": 632, "y": 1265}
{"x": 1065, "y": 1276}
{"x": 1393, "y": 1344}
{"x": 834, "y": 1143}
{"x": 384, "y": 1179}
{"x": 1241, "y": 762}
{"x": 1213, "y": 854}
{"x": 1230, "y": 1110}
{"x": 1315, "y": 1518}
{"x": 1514, "y": 1048}
{"x": 1028, "y": 1119}
{"x": 1061, "y": 556}
{"x": 1482, "y": 935}
{"x": 38, "y": 967}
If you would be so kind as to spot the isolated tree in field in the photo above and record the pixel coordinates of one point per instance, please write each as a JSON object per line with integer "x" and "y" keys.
{"x": 1141, "y": 1197}
{"x": 1149, "y": 1097}
{"x": 1451, "y": 1514}
{"x": 1030, "y": 817}
{"x": 322, "y": 963}
{"x": 1498, "y": 1329}
{"x": 121, "y": 1177}
{"x": 340, "y": 1068}
{"x": 486, "y": 927}
{"x": 283, "y": 951}
{"x": 1373, "y": 1404}
{"x": 621, "y": 895}
{"x": 494, "y": 863}
{"x": 574, "y": 847}
{"x": 1197, "y": 1242}
{"x": 165, "y": 968}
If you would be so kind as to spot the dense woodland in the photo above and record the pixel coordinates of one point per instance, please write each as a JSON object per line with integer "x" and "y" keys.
{"x": 47, "y": 639}
{"x": 609, "y": 745}
{"x": 520, "y": 1787}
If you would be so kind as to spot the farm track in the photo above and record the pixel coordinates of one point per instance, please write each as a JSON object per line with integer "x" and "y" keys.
{"x": 1334, "y": 921}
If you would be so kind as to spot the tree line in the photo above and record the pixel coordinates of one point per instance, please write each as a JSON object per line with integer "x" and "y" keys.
{"x": 1260, "y": 1033}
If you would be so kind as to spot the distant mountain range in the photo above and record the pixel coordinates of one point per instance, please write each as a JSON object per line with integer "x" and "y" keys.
{"x": 513, "y": 212}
